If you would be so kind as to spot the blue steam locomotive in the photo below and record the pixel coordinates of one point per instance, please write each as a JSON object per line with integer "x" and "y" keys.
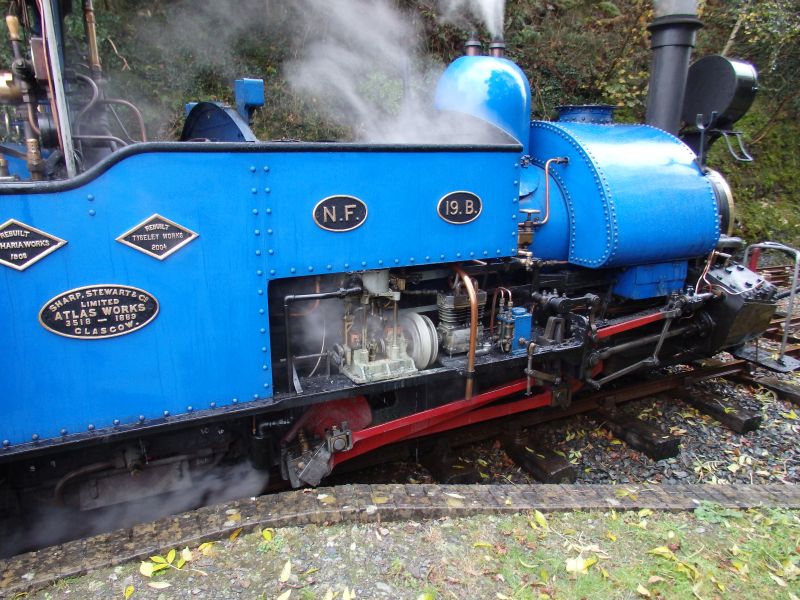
{"x": 169, "y": 305}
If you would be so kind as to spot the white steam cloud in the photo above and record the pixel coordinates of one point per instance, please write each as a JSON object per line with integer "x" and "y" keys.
{"x": 489, "y": 12}
{"x": 365, "y": 70}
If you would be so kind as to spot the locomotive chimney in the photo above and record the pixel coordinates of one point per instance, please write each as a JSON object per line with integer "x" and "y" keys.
{"x": 497, "y": 48}
{"x": 473, "y": 46}
{"x": 673, "y": 32}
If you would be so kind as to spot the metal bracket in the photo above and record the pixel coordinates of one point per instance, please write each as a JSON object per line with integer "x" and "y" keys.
{"x": 742, "y": 155}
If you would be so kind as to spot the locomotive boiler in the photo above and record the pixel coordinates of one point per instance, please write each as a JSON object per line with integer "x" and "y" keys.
{"x": 168, "y": 306}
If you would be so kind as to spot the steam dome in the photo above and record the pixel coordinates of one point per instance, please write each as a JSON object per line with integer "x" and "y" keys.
{"x": 489, "y": 88}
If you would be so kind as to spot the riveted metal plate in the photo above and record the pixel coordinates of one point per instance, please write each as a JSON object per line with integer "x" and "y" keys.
{"x": 22, "y": 245}
{"x": 459, "y": 208}
{"x": 98, "y": 311}
{"x": 157, "y": 236}
{"x": 340, "y": 213}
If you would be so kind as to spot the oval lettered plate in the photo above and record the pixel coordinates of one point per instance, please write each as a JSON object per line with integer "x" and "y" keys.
{"x": 460, "y": 208}
{"x": 340, "y": 213}
{"x": 95, "y": 312}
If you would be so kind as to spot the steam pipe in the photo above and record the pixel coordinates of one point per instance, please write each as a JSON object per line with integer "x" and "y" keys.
{"x": 287, "y": 300}
{"x": 497, "y": 48}
{"x": 673, "y": 34}
{"x": 472, "y": 47}
{"x": 90, "y": 25}
{"x": 559, "y": 160}
{"x": 473, "y": 330}
{"x": 23, "y": 75}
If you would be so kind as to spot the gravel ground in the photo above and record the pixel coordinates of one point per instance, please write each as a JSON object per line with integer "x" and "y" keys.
{"x": 711, "y": 553}
{"x": 710, "y": 453}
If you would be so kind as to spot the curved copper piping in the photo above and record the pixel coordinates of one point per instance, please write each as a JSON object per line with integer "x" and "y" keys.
{"x": 473, "y": 330}
{"x": 559, "y": 160}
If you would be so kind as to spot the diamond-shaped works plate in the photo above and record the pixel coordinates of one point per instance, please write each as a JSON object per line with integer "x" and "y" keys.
{"x": 157, "y": 236}
{"x": 22, "y": 245}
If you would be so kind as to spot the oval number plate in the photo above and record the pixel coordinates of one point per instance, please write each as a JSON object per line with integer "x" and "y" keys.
{"x": 460, "y": 208}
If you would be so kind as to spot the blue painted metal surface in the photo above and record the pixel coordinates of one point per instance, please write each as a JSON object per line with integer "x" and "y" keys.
{"x": 493, "y": 89}
{"x": 631, "y": 194}
{"x": 522, "y": 321}
{"x": 252, "y": 208}
{"x": 601, "y": 114}
{"x": 249, "y": 94}
{"x": 215, "y": 122}
{"x": 650, "y": 281}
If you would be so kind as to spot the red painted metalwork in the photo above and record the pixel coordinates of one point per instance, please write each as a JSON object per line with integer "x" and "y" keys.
{"x": 354, "y": 411}
{"x": 491, "y": 412}
{"x": 422, "y": 422}
{"x": 754, "y": 257}
{"x": 627, "y": 325}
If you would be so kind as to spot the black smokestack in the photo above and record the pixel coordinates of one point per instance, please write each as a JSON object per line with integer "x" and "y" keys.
{"x": 673, "y": 32}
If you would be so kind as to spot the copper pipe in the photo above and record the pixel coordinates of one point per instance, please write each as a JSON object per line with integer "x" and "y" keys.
{"x": 91, "y": 36}
{"x": 559, "y": 160}
{"x": 33, "y": 121}
{"x": 473, "y": 330}
{"x": 497, "y": 48}
{"x": 494, "y": 306}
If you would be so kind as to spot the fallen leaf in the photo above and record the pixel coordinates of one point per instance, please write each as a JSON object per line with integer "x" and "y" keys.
{"x": 540, "y": 519}
{"x": 455, "y": 503}
{"x": 286, "y": 572}
{"x": 643, "y": 591}
{"x": 604, "y": 573}
{"x": 171, "y": 556}
{"x": 186, "y": 554}
{"x": 526, "y": 565}
{"x": 663, "y": 552}
{"x": 645, "y": 512}
{"x": 158, "y": 559}
{"x": 577, "y": 565}
{"x": 285, "y": 595}
{"x": 452, "y": 495}
{"x": 611, "y": 536}
{"x": 790, "y": 415}
{"x": 423, "y": 596}
{"x": 205, "y": 548}
{"x": 482, "y": 545}
{"x": 129, "y": 592}
{"x": 146, "y": 569}
{"x": 267, "y": 534}
{"x": 159, "y": 585}
{"x": 235, "y": 534}
{"x": 328, "y": 595}
{"x": 777, "y": 580}
{"x": 379, "y": 499}
{"x": 655, "y": 579}
{"x": 687, "y": 569}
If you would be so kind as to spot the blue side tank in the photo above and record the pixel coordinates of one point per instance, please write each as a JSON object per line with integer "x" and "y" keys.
{"x": 628, "y": 195}
{"x": 490, "y": 88}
